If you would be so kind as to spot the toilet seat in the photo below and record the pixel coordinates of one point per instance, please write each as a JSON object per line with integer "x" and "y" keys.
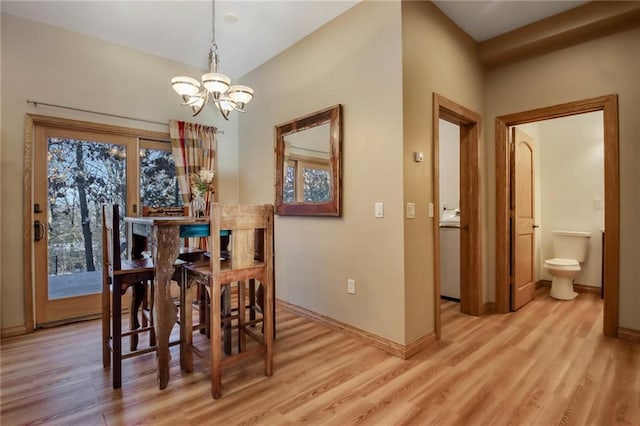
{"x": 562, "y": 264}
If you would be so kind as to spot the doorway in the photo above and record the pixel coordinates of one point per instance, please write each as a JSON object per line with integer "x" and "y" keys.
{"x": 567, "y": 194}
{"x": 469, "y": 215}
{"x": 609, "y": 107}
{"x": 75, "y": 167}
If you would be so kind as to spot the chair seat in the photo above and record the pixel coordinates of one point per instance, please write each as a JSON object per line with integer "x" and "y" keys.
{"x": 191, "y": 254}
{"x": 137, "y": 264}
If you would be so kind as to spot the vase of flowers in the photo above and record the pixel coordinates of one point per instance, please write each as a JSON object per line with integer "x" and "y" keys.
{"x": 201, "y": 185}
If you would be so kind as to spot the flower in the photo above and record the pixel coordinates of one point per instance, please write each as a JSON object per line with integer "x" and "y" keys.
{"x": 202, "y": 182}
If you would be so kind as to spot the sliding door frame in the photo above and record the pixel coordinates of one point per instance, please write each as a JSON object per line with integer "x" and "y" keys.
{"x": 30, "y": 123}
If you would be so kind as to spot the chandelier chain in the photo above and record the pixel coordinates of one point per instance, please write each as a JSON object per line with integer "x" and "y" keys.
{"x": 214, "y": 46}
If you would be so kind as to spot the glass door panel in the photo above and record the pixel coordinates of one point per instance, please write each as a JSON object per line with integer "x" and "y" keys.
{"x": 82, "y": 175}
{"x": 75, "y": 173}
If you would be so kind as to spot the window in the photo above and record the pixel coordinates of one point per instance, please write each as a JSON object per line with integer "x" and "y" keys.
{"x": 158, "y": 183}
{"x": 307, "y": 180}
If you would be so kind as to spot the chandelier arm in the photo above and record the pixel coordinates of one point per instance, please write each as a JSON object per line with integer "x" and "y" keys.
{"x": 201, "y": 107}
{"x": 223, "y": 113}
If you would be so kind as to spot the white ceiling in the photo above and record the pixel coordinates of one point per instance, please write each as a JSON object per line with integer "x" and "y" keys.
{"x": 181, "y": 30}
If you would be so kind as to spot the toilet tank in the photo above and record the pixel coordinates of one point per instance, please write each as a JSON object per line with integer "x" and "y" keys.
{"x": 571, "y": 244}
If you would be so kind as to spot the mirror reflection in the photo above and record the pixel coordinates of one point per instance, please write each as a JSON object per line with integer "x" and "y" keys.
{"x": 307, "y": 175}
{"x": 308, "y": 164}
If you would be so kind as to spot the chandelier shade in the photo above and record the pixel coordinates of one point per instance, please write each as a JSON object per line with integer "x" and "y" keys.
{"x": 215, "y": 82}
{"x": 214, "y": 86}
{"x": 185, "y": 85}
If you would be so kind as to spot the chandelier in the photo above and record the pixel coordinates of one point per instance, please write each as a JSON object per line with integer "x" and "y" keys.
{"x": 215, "y": 87}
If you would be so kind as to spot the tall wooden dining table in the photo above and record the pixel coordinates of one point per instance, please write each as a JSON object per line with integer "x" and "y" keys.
{"x": 163, "y": 236}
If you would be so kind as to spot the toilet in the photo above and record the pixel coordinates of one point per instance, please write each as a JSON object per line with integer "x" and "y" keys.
{"x": 569, "y": 249}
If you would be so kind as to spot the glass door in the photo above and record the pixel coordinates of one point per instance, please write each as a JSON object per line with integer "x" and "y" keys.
{"x": 75, "y": 173}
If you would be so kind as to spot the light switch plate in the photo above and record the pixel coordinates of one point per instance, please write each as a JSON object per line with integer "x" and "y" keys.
{"x": 430, "y": 209}
{"x": 378, "y": 208}
{"x": 411, "y": 210}
{"x": 598, "y": 203}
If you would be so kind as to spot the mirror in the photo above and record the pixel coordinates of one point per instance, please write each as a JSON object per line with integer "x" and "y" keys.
{"x": 308, "y": 152}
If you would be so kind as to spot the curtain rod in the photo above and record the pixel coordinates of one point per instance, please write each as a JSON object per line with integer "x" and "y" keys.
{"x": 36, "y": 103}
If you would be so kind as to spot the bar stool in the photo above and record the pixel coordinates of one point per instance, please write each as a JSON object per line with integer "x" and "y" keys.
{"x": 247, "y": 224}
{"x": 117, "y": 276}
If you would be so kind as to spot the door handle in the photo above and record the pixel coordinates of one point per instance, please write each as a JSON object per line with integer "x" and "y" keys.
{"x": 536, "y": 226}
{"x": 38, "y": 230}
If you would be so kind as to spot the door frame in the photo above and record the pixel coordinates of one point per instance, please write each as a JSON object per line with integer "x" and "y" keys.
{"x": 608, "y": 104}
{"x": 470, "y": 230}
{"x": 30, "y": 122}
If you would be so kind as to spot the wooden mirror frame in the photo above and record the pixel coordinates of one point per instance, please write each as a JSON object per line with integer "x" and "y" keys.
{"x": 332, "y": 116}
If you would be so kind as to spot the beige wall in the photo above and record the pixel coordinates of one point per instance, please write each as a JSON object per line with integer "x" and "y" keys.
{"x": 354, "y": 60}
{"x": 437, "y": 57}
{"x": 449, "y": 165}
{"x": 599, "y": 67}
{"x": 47, "y": 64}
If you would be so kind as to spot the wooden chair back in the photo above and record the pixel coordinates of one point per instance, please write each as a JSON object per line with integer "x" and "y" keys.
{"x": 111, "y": 238}
{"x": 251, "y": 231}
{"x": 165, "y": 211}
{"x": 250, "y": 258}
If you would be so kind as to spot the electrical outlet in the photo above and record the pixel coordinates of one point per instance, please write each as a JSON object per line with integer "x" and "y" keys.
{"x": 351, "y": 286}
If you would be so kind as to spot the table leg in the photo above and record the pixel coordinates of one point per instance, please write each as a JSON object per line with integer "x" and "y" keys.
{"x": 165, "y": 249}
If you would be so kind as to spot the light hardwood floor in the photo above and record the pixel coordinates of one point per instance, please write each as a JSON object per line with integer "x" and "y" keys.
{"x": 545, "y": 364}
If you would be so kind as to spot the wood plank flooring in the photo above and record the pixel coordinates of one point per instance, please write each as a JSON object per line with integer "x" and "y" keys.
{"x": 545, "y": 364}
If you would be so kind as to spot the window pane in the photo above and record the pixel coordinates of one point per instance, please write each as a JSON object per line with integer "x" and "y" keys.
{"x": 316, "y": 185}
{"x": 158, "y": 183}
{"x": 82, "y": 175}
{"x": 288, "y": 195}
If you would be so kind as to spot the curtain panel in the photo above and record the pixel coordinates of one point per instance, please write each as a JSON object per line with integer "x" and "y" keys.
{"x": 193, "y": 147}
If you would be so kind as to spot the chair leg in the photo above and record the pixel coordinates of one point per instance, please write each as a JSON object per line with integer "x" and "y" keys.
{"x": 152, "y": 332}
{"x": 137, "y": 300}
{"x": 252, "y": 300}
{"x": 226, "y": 317}
{"x": 260, "y": 302}
{"x": 202, "y": 313}
{"x": 187, "y": 294}
{"x": 242, "y": 309}
{"x": 216, "y": 350}
{"x": 116, "y": 317}
{"x": 269, "y": 326}
{"x": 106, "y": 325}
